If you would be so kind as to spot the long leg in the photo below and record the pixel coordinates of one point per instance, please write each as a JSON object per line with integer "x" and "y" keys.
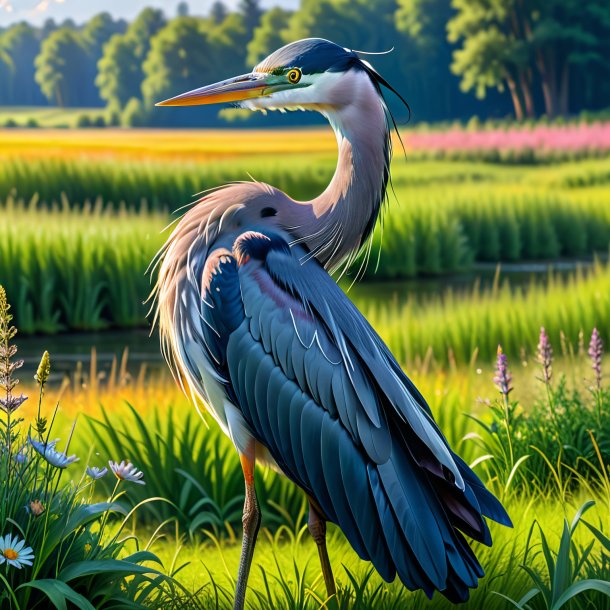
{"x": 251, "y": 520}
{"x": 317, "y": 528}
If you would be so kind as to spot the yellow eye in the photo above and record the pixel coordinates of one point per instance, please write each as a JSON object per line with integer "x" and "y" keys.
{"x": 293, "y": 76}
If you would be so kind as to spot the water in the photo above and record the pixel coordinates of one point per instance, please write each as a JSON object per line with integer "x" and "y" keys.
{"x": 68, "y": 350}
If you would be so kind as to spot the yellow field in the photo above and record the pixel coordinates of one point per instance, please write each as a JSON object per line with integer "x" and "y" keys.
{"x": 189, "y": 144}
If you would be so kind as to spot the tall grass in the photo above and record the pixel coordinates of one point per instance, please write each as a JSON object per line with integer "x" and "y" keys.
{"x": 76, "y": 269}
{"x": 455, "y": 325}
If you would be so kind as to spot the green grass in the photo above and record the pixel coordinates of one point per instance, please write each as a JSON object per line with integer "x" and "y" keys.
{"x": 440, "y": 218}
{"x": 70, "y": 269}
{"x": 286, "y": 568}
{"x": 43, "y": 116}
{"x": 287, "y": 574}
{"x": 77, "y": 269}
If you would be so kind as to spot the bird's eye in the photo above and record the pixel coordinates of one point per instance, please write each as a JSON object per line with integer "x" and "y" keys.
{"x": 293, "y": 76}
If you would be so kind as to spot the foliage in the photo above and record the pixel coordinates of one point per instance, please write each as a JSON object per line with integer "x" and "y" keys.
{"x": 559, "y": 444}
{"x": 43, "y": 250}
{"x": 549, "y": 51}
{"x": 62, "y": 67}
{"x": 561, "y": 584}
{"x": 268, "y": 36}
{"x": 120, "y": 72}
{"x": 548, "y": 44}
{"x": 20, "y": 46}
{"x": 196, "y": 469}
{"x": 58, "y": 546}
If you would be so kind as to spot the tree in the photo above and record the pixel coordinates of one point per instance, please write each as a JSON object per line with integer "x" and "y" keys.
{"x": 229, "y": 41}
{"x": 268, "y": 35}
{"x": 62, "y": 66}
{"x": 218, "y": 11}
{"x": 120, "y": 69}
{"x": 7, "y": 75}
{"x": 252, "y": 12}
{"x": 495, "y": 52}
{"x": 180, "y": 58}
{"x": 96, "y": 33}
{"x": 21, "y": 44}
{"x": 182, "y": 9}
{"x": 528, "y": 43}
{"x": 119, "y": 72}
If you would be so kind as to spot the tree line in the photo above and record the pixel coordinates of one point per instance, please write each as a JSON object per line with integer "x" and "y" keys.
{"x": 451, "y": 59}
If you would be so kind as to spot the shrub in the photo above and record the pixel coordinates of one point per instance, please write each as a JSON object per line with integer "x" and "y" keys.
{"x": 83, "y": 120}
{"x": 196, "y": 469}
{"x": 56, "y": 542}
{"x": 133, "y": 114}
{"x": 558, "y": 444}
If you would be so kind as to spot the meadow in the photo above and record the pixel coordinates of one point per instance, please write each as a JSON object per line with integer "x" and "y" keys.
{"x": 188, "y": 514}
{"x": 92, "y": 219}
{"x": 81, "y": 216}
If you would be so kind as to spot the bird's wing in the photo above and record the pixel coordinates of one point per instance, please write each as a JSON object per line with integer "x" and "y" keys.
{"x": 322, "y": 392}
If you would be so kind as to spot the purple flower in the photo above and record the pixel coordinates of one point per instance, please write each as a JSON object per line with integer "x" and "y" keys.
{"x": 596, "y": 351}
{"x": 545, "y": 355}
{"x": 11, "y": 403}
{"x": 503, "y": 378}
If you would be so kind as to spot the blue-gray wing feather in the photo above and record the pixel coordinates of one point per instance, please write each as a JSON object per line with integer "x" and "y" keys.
{"x": 322, "y": 392}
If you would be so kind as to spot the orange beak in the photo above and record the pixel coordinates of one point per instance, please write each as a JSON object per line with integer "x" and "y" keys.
{"x": 246, "y": 86}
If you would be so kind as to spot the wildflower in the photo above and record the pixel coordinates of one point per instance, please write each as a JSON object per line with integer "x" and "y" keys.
{"x": 36, "y": 508}
{"x": 55, "y": 458}
{"x": 126, "y": 471}
{"x": 44, "y": 369}
{"x": 596, "y": 350}
{"x": 11, "y": 403}
{"x": 21, "y": 456}
{"x": 96, "y": 473}
{"x": 14, "y": 552}
{"x": 545, "y": 355}
{"x": 87, "y": 548}
{"x": 503, "y": 378}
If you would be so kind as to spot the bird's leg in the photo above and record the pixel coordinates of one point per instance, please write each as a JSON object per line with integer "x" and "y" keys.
{"x": 317, "y": 528}
{"x": 251, "y": 520}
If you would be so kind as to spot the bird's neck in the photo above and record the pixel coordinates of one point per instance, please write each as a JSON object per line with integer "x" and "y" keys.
{"x": 340, "y": 220}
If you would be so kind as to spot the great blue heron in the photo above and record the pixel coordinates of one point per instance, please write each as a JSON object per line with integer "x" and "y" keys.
{"x": 256, "y": 329}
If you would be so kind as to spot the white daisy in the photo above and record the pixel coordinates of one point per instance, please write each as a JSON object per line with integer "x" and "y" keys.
{"x": 14, "y": 552}
{"x": 96, "y": 473}
{"x": 126, "y": 471}
{"x": 55, "y": 458}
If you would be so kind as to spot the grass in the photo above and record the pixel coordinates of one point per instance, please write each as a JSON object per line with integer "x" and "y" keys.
{"x": 286, "y": 573}
{"x": 48, "y": 117}
{"x": 460, "y": 325}
{"x": 99, "y": 257}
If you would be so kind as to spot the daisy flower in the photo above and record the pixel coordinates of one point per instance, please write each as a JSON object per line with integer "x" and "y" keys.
{"x": 96, "y": 473}
{"x": 55, "y": 458}
{"x": 126, "y": 471}
{"x": 14, "y": 552}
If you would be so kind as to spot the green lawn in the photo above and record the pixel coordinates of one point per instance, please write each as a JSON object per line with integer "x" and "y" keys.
{"x": 43, "y": 116}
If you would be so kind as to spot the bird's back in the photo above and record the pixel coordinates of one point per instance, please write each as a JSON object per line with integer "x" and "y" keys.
{"x": 267, "y": 338}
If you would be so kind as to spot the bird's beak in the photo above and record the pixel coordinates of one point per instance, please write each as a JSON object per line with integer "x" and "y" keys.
{"x": 244, "y": 87}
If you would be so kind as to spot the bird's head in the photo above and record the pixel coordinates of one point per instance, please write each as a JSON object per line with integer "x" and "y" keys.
{"x": 311, "y": 74}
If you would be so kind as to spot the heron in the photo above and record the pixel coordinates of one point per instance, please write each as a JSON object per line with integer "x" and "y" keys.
{"x": 255, "y": 328}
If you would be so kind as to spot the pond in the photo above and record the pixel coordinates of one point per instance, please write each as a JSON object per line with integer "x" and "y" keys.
{"x": 141, "y": 348}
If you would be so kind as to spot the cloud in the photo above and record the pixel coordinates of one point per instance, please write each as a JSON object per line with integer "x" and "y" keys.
{"x": 6, "y": 5}
{"x": 43, "y": 5}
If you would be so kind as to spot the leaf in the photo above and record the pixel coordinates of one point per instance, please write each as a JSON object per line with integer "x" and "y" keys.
{"x": 104, "y": 566}
{"x": 603, "y": 540}
{"x": 513, "y": 471}
{"x": 58, "y": 593}
{"x": 603, "y": 586}
{"x": 581, "y": 511}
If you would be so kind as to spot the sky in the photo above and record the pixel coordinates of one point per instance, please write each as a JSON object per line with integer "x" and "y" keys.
{"x": 37, "y": 11}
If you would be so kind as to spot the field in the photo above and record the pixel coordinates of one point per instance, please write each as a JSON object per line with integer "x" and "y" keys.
{"x": 82, "y": 213}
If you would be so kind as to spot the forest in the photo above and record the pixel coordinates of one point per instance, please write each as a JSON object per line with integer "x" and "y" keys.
{"x": 451, "y": 59}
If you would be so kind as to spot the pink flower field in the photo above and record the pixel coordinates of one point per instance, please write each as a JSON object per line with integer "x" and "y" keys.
{"x": 583, "y": 138}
